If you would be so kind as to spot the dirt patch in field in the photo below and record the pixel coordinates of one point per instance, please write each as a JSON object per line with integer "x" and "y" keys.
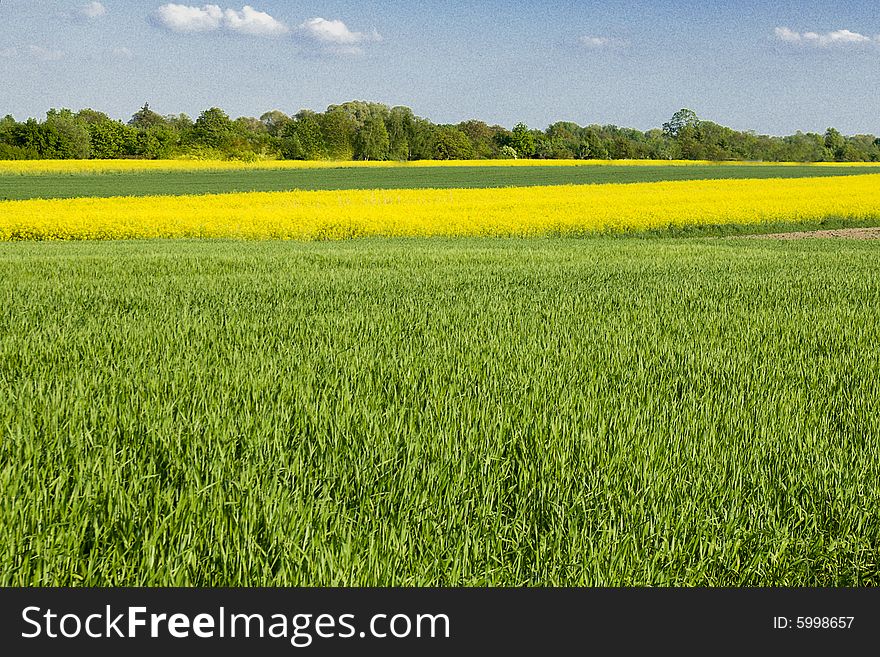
{"x": 848, "y": 233}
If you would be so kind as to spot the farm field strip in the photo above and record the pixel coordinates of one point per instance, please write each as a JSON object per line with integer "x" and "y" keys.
{"x": 440, "y": 412}
{"x": 149, "y": 182}
{"x": 32, "y": 167}
{"x": 453, "y": 212}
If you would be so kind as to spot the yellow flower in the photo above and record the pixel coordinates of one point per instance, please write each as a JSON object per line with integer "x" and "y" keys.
{"x": 450, "y": 212}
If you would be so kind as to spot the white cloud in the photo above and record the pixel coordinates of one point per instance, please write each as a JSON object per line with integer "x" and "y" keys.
{"x": 122, "y": 53}
{"x": 251, "y": 21}
{"x": 786, "y": 34}
{"x": 335, "y": 36}
{"x": 330, "y": 31}
{"x": 210, "y": 18}
{"x": 597, "y": 42}
{"x": 183, "y": 18}
{"x": 93, "y": 10}
{"x": 834, "y": 38}
{"x": 825, "y": 40}
{"x": 8, "y": 52}
{"x": 45, "y": 54}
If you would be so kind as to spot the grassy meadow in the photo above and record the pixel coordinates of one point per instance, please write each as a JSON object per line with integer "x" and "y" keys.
{"x": 542, "y": 411}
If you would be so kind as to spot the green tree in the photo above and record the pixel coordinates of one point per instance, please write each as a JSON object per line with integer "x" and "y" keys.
{"x": 371, "y": 142}
{"x": 522, "y": 140}
{"x": 302, "y": 138}
{"x": 799, "y": 147}
{"x": 66, "y": 138}
{"x": 835, "y": 144}
{"x": 421, "y": 140}
{"x": 250, "y": 137}
{"x": 146, "y": 118}
{"x": 111, "y": 139}
{"x": 690, "y": 147}
{"x": 594, "y": 146}
{"x": 450, "y": 143}
{"x": 564, "y": 140}
{"x": 159, "y": 142}
{"x": 6, "y": 124}
{"x": 89, "y": 116}
{"x": 338, "y": 130}
{"x": 366, "y": 130}
{"x": 399, "y": 124}
{"x": 507, "y": 153}
{"x": 275, "y": 121}
{"x": 30, "y": 136}
{"x": 683, "y": 118}
{"x": 360, "y": 111}
{"x": 482, "y": 138}
{"x": 213, "y": 129}
{"x": 12, "y": 134}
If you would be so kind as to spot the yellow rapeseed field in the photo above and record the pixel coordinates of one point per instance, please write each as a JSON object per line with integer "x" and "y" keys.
{"x": 430, "y": 212}
{"x": 31, "y": 167}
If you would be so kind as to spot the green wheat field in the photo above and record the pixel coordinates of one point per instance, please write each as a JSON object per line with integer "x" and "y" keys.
{"x": 598, "y": 411}
{"x": 18, "y": 186}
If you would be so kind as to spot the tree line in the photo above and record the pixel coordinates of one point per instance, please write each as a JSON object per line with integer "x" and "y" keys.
{"x": 361, "y": 130}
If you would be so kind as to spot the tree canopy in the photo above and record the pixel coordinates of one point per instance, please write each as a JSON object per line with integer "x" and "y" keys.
{"x": 373, "y": 131}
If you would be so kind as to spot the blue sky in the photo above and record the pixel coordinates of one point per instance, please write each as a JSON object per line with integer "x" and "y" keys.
{"x": 769, "y": 67}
